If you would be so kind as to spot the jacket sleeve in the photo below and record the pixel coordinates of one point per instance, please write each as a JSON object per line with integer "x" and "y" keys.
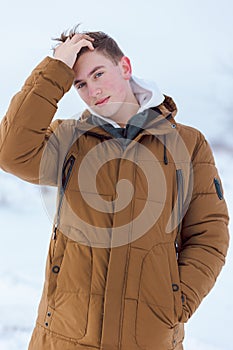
{"x": 204, "y": 234}
{"x": 26, "y": 128}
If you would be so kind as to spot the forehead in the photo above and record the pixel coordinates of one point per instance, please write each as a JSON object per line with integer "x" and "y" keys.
{"x": 89, "y": 60}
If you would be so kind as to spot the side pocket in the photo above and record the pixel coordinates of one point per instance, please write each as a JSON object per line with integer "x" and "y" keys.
{"x": 176, "y": 285}
{"x": 55, "y": 266}
{"x": 155, "y": 313}
{"x": 179, "y": 297}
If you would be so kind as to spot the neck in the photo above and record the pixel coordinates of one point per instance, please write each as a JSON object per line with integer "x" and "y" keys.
{"x": 127, "y": 110}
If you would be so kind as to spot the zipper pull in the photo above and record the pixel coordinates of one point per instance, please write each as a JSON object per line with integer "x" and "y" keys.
{"x": 177, "y": 249}
{"x": 54, "y": 235}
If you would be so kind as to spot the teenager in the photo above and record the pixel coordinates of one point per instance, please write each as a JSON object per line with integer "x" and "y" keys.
{"x": 140, "y": 232}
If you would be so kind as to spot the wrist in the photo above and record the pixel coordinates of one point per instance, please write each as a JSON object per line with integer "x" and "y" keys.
{"x": 59, "y": 72}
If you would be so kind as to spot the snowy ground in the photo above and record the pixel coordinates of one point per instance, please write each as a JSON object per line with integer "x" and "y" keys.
{"x": 25, "y": 231}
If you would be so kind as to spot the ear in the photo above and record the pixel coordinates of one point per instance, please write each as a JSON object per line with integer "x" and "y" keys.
{"x": 126, "y": 68}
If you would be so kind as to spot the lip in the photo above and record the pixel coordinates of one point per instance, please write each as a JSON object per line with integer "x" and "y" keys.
{"x": 102, "y": 101}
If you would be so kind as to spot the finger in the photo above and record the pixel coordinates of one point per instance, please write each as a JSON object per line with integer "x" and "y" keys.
{"x": 89, "y": 37}
{"x": 78, "y": 36}
{"x": 90, "y": 46}
{"x": 56, "y": 47}
{"x": 75, "y": 37}
{"x": 84, "y": 42}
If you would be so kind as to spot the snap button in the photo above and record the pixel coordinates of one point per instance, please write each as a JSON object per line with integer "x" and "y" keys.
{"x": 46, "y": 324}
{"x": 56, "y": 269}
{"x": 175, "y": 287}
{"x": 48, "y": 314}
{"x": 173, "y": 126}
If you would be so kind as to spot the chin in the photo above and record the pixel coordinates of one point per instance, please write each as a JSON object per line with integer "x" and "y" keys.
{"x": 107, "y": 111}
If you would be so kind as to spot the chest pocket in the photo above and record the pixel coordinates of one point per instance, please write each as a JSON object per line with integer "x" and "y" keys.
{"x": 66, "y": 175}
{"x": 67, "y": 170}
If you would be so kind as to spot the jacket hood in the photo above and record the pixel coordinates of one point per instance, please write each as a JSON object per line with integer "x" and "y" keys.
{"x": 146, "y": 92}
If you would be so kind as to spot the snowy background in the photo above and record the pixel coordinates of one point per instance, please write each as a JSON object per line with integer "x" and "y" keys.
{"x": 186, "y": 47}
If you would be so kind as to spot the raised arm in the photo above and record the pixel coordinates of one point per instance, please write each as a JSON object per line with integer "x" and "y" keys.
{"x": 24, "y": 130}
{"x": 26, "y": 127}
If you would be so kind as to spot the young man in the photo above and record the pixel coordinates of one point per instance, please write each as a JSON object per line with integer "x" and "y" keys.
{"x": 140, "y": 233}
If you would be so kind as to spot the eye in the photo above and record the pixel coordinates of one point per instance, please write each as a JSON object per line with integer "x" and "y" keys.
{"x": 97, "y": 75}
{"x": 79, "y": 86}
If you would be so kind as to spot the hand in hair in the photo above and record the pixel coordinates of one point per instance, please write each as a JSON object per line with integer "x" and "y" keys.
{"x": 68, "y": 50}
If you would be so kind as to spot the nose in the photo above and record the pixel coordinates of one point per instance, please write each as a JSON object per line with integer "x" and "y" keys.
{"x": 94, "y": 91}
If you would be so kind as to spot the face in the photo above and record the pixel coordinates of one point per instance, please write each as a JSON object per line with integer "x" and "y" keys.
{"x": 103, "y": 85}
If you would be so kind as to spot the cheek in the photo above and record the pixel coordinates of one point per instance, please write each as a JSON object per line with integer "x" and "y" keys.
{"x": 108, "y": 84}
{"x": 115, "y": 86}
{"x": 83, "y": 95}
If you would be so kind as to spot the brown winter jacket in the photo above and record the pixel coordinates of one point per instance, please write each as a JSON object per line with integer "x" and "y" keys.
{"x": 140, "y": 234}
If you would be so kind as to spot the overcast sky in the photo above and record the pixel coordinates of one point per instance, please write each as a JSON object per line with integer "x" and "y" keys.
{"x": 182, "y": 45}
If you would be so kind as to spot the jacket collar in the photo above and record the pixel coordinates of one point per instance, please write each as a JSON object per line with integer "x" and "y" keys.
{"x": 158, "y": 120}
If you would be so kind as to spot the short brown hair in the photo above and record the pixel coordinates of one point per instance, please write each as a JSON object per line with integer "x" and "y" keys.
{"x": 102, "y": 43}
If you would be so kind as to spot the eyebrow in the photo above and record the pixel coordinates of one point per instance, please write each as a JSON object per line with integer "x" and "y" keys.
{"x": 89, "y": 74}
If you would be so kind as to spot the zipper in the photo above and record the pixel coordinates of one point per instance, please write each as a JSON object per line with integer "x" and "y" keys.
{"x": 180, "y": 201}
{"x": 165, "y": 159}
{"x": 66, "y": 172}
{"x": 68, "y": 165}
